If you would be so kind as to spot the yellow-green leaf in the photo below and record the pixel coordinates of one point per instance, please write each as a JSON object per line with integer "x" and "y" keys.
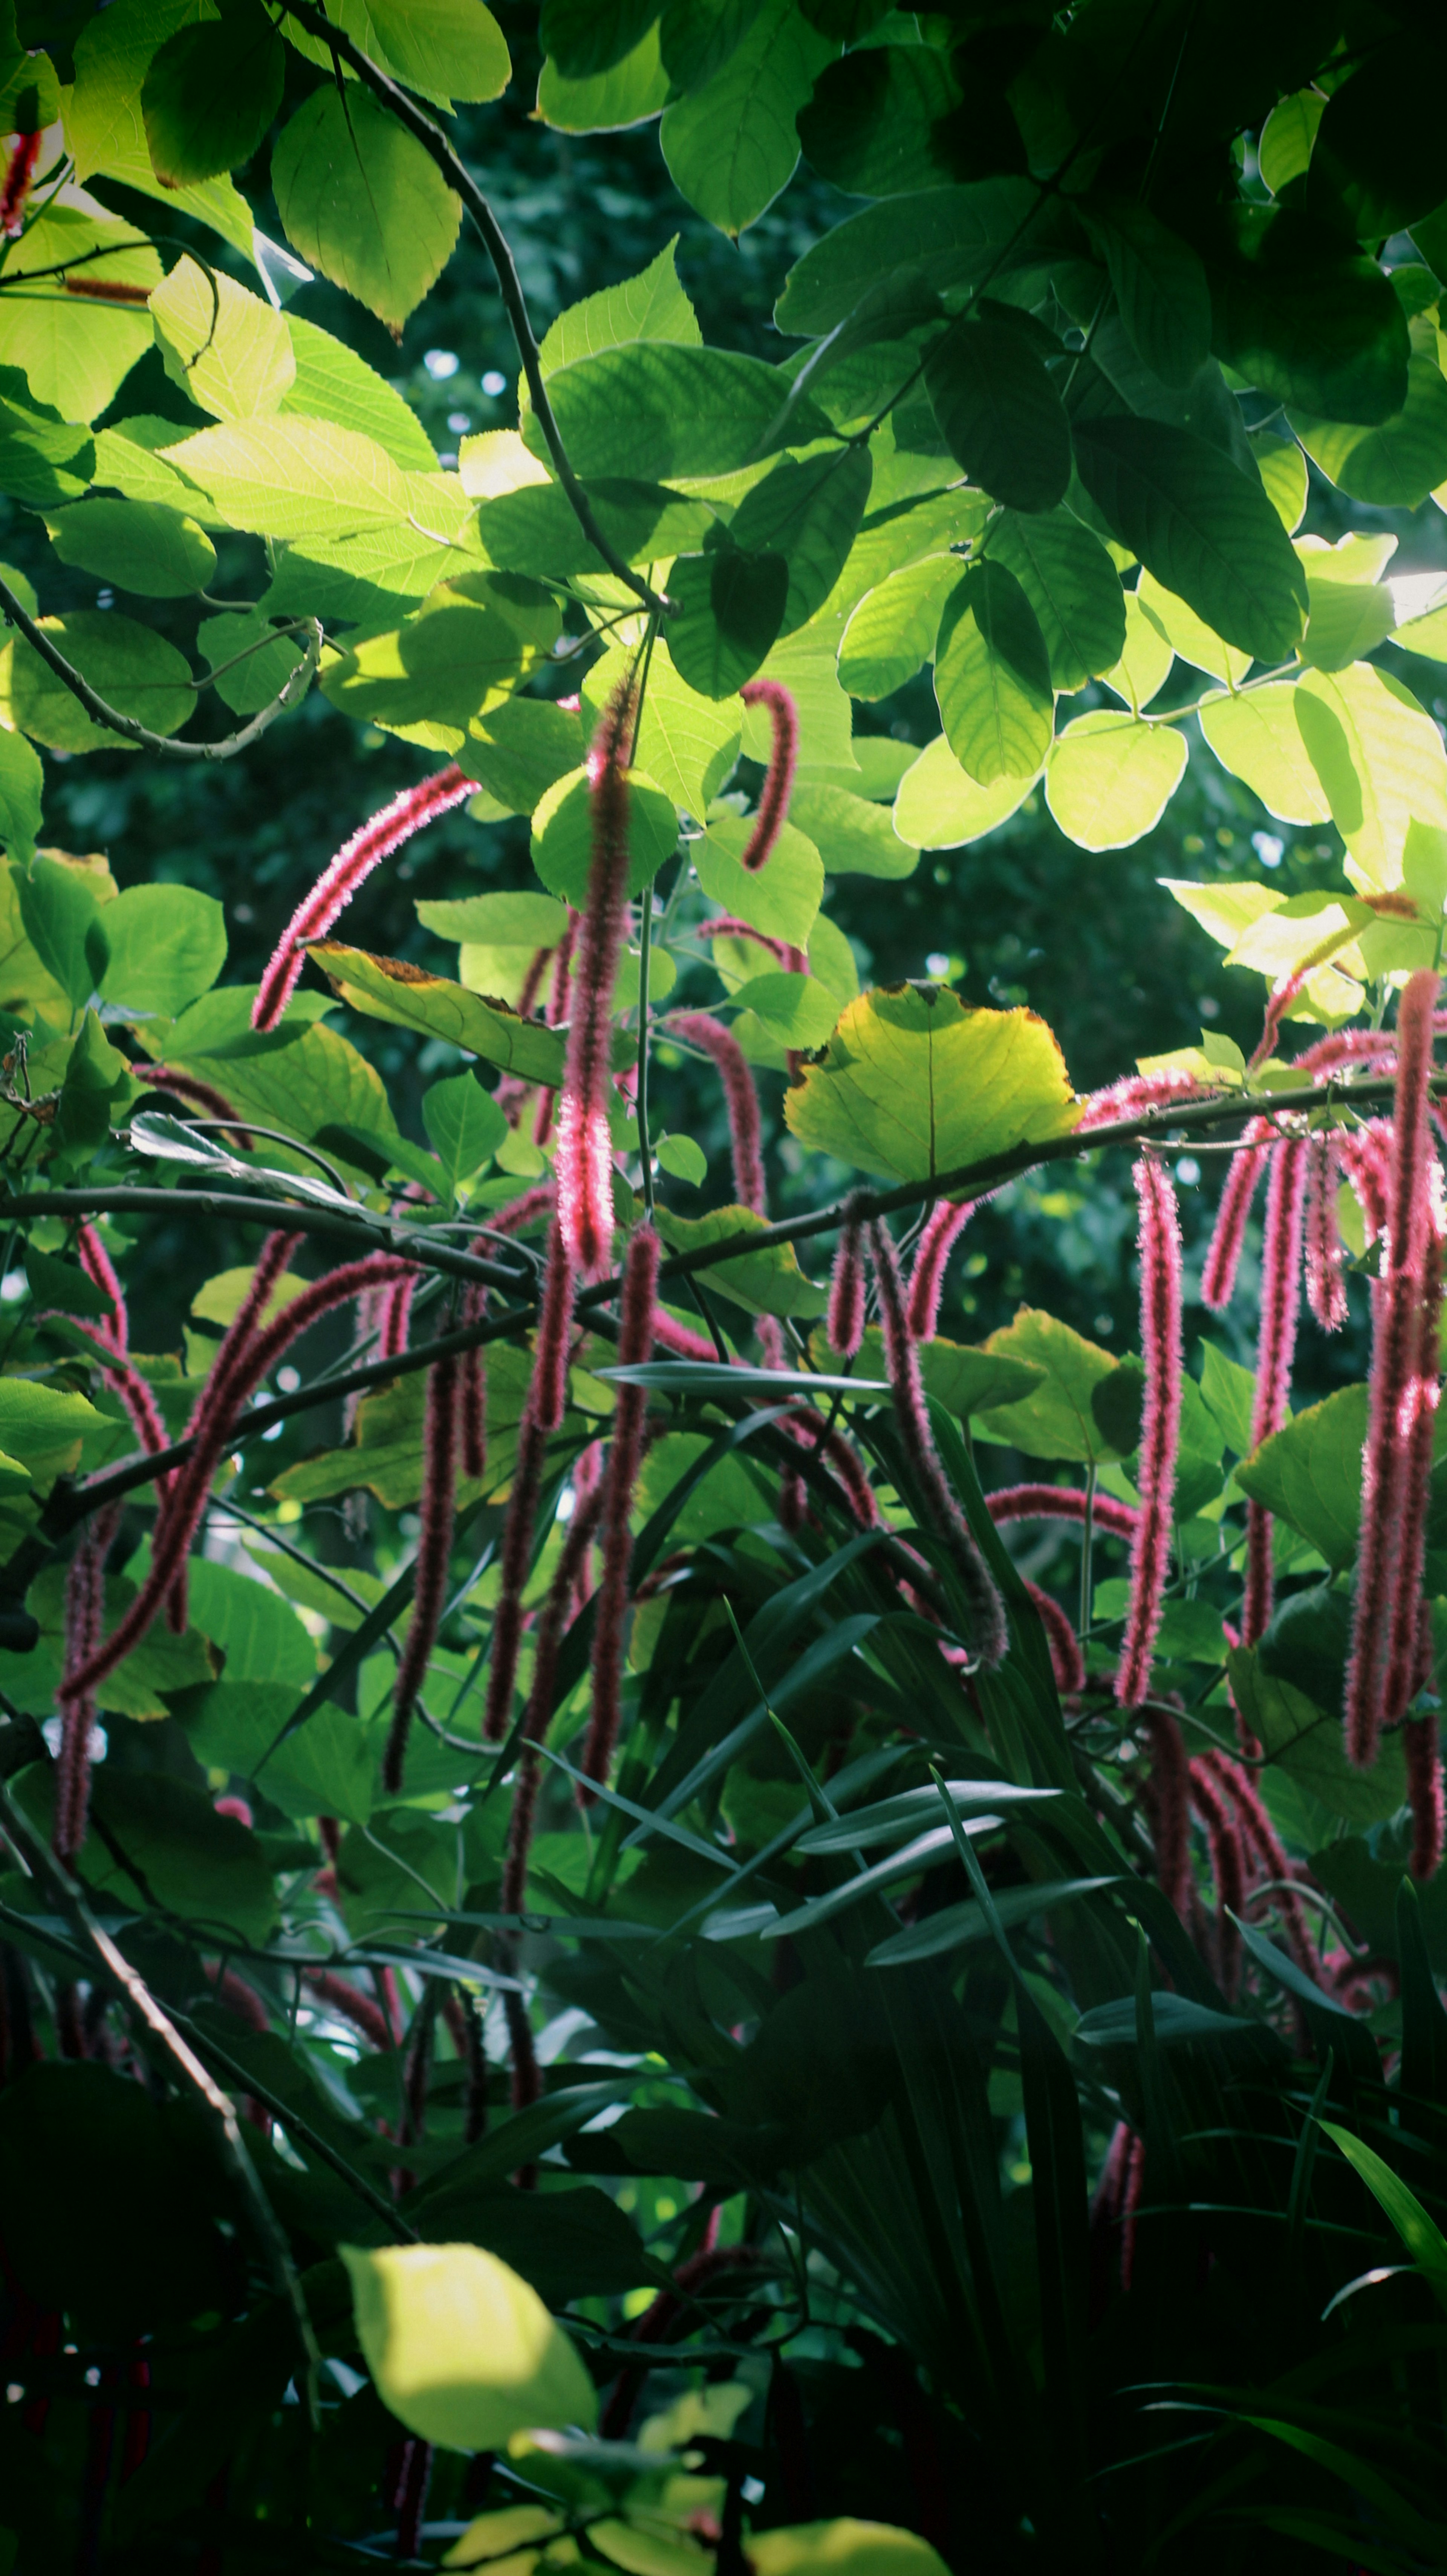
{"x": 386, "y": 988}
{"x": 361, "y": 201}
{"x": 1257, "y": 737}
{"x": 1110, "y": 777}
{"x": 940, "y": 807}
{"x": 229, "y": 351}
{"x": 913, "y": 1083}
{"x": 767, "y": 1282}
{"x": 992, "y": 677}
{"x": 460, "y": 2347}
{"x": 1057, "y": 1420}
{"x": 1379, "y": 758}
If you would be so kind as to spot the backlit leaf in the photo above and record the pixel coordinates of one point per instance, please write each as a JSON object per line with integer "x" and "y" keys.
{"x": 140, "y": 546}
{"x": 913, "y": 1083}
{"x": 1380, "y": 761}
{"x": 563, "y": 835}
{"x": 1073, "y": 588}
{"x": 1000, "y": 413}
{"x": 992, "y": 677}
{"x": 210, "y": 94}
{"x": 1160, "y": 285}
{"x": 781, "y": 898}
{"x": 386, "y": 989}
{"x": 731, "y": 145}
{"x": 231, "y": 353}
{"x": 1396, "y": 464}
{"x": 1205, "y": 531}
{"x": 461, "y": 2349}
{"x": 1256, "y": 736}
{"x": 940, "y": 806}
{"x": 893, "y": 631}
{"x": 1310, "y": 1473}
{"x": 361, "y": 201}
{"x": 852, "y": 837}
{"x": 1110, "y": 777}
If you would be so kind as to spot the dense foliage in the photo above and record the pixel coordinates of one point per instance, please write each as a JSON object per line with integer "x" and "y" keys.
{"x": 653, "y": 1911}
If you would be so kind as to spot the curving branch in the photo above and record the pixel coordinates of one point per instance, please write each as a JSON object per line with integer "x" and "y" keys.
{"x": 435, "y": 144}
{"x": 131, "y": 728}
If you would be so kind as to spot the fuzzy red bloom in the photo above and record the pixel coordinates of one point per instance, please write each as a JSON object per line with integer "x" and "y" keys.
{"x": 635, "y": 1341}
{"x": 1275, "y": 1351}
{"x": 1242, "y": 1176}
{"x": 700, "y": 1029}
{"x": 353, "y": 863}
{"x": 1063, "y": 1503}
{"x": 434, "y": 1551}
{"x": 532, "y": 983}
{"x": 1137, "y": 1092}
{"x": 1167, "y": 1802}
{"x": 845, "y": 1323}
{"x": 987, "y": 1612}
{"x": 350, "y": 2004}
{"x": 547, "y": 1638}
{"x": 1066, "y": 1660}
{"x": 1425, "y": 1793}
{"x": 942, "y": 1230}
{"x": 1160, "y": 1259}
{"x": 273, "y": 1259}
{"x": 678, "y": 1338}
{"x": 517, "y": 1551}
{"x": 549, "y": 1392}
{"x": 19, "y": 172}
{"x": 99, "y": 1269}
{"x": 1404, "y": 1636}
{"x": 1326, "y": 1293}
{"x": 584, "y": 1162}
{"x": 187, "y": 1087}
{"x": 1260, "y": 1836}
{"x": 84, "y": 1627}
{"x": 396, "y": 1317}
{"x": 846, "y": 1463}
{"x": 472, "y": 1393}
{"x": 1366, "y": 1157}
{"x": 726, "y": 925}
{"x": 1228, "y": 1869}
{"x": 778, "y": 784}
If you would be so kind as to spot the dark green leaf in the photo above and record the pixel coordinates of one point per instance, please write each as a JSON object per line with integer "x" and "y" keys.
{"x": 58, "y": 908}
{"x": 657, "y": 409}
{"x": 1395, "y": 465}
{"x": 1000, "y": 413}
{"x": 1072, "y": 586}
{"x": 63, "y": 1288}
{"x": 1306, "y": 318}
{"x": 135, "y": 670}
{"x": 583, "y": 36}
{"x": 1203, "y": 529}
{"x": 464, "y": 1123}
{"x": 992, "y": 677}
{"x": 951, "y": 236}
{"x": 210, "y": 94}
{"x": 1160, "y": 285}
{"x": 536, "y": 530}
{"x": 731, "y": 145}
{"x": 158, "y": 947}
{"x": 1379, "y": 155}
{"x": 808, "y": 511}
{"x": 730, "y": 608}
{"x": 873, "y": 123}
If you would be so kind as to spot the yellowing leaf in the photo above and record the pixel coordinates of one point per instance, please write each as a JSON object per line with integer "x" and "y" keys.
{"x": 461, "y": 2348}
{"x": 844, "y": 2548}
{"x": 1110, "y": 777}
{"x": 1256, "y": 736}
{"x": 386, "y": 988}
{"x": 1057, "y": 1419}
{"x": 1224, "y": 911}
{"x": 1309, "y": 927}
{"x": 913, "y": 1083}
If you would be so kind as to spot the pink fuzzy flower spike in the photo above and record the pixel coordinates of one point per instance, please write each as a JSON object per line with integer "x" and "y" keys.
{"x": 434, "y": 1550}
{"x": 584, "y": 1162}
{"x": 1275, "y": 1352}
{"x": 353, "y": 863}
{"x": 1160, "y": 1259}
{"x": 1403, "y": 1393}
{"x": 635, "y": 1341}
{"x": 1066, "y": 1660}
{"x": 779, "y": 779}
{"x": 845, "y": 1324}
{"x": 1424, "y": 1766}
{"x": 1419, "y": 1424}
{"x": 1242, "y": 1176}
{"x": 84, "y": 1627}
{"x": 99, "y": 1269}
{"x": 543, "y": 1412}
{"x": 700, "y": 1029}
{"x": 1228, "y": 1868}
{"x": 1326, "y": 1292}
{"x": 19, "y": 172}
{"x": 1167, "y": 1804}
{"x": 942, "y": 1230}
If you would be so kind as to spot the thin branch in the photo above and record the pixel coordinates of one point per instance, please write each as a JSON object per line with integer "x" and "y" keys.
{"x": 360, "y": 1233}
{"x": 298, "y": 681}
{"x": 435, "y": 144}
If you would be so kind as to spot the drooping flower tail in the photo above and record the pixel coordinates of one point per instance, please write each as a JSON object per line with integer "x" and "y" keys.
{"x": 1326, "y": 1292}
{"x": 1168, "y": 1805}
{"x": 942, "y": 1230}
{"x": 778, "y": 784}
{"x": 1228, "y": 1869}
{"x": 542, "y": 1414}
{"x": 1258, "y": 1834}
{"x": 1066, "y": 1660}
{"x": 1275, "y": 1352}
{"x": 1404, "y": 1633}
{"x": 99, "y": 1269}
{"x": 845, "y": 1322}
{"x": 353, "y": 863}
{"x": 1111, "y": 1518}
{"x": 1243, "y": 1173}
{"x": 84, "y": 1628}
{"x": 19, "y": 172}
{"x": 434, "y": 1551}
{"x": 557, "y": 1610}
{"x": 472, "y": 1408}
{"x": 635, "y": 1341}
{"x": 396, "y": 1317}
{"x": 987, "y": 1612}
{"x": 584, "y": 1163}
{"x": 700, "y": 1029}
{"x": 1160, "y": 1261}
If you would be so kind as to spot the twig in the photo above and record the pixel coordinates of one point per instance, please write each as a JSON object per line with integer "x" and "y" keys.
{"x": 298, "y": 681}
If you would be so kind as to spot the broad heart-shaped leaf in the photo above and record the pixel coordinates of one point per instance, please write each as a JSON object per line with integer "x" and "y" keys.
{"x": 1256, "y": 736}
{"x": 685, "y": 742}
{"x": 520, "y": 748}
{"x": 1310, "y": 1474}
{"x": 360, "y": 200}
{"x": 1000, "y": 414}
{"x": 228, "y": 350}
{"x": 387, "y": 989}
{"x": 1145, "y": 665}
{"x": 461, "y": 2349}
{"x": 913, "y": 1083}
{"x": 992, "y": 677}
{"x": 893, "y": 631}
{"x": 21, "y": 780}
{"x": 852, "y": 836}
{"x": 1188, "y": 635}
{"x": 1072, "y": 586}
{"x": 563, "y": 836}
{"x": 963, "y": 1380}
{"x": 781, "y": 898}
{"x": 204, "y": 1867}
{"x": 58, "y": 906}
{"x": 1379, "y": 759}
{"x": 1160, "y": 285}
{"x": 135, "y": 670}
{"x": 941, "y": 807}
{"x": 1058, "y": 1420}
{"x": 139, "y": 545}
{"x": 1395, "y": 465}
{"x": 333, "y": 383}
{"x": 1348, "y": 620}
{"x": 211, "y": 93}
{"x": 473, "y": 639}
{"x": 250, "y": 660}
{"x": 806, "y": 509}
{"x": 1110, "y": 777}
{"x": 293, "y": 477}
{"x": 157, "y": 947}
{"x": 731, "y": 145}
{"x": 536, "y": 530}
{"x": 657, "y": 409}
{"x": 730, "y": 606}
{"x": 1284, "y": 145}
{"x": 71, "y": 358}
{"x": 465, "y": 1124}
{"x": 1307, "y": 1743}
{"x": 767, "y": 1282}
{"x": 1199, "y": 524}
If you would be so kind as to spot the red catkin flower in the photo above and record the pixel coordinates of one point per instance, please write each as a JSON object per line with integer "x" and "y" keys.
{"x": 1399, "y": 1385}
{"x": 472, "y": 1393}
{"x": 542, "y": 1413}
{"x": 548, "y": 1636}
{"x": 1167, "y": 1801}
{"x": 353, "y": 863}
{"x": 845, "y": 1321}
{"x": 778, "y": 784}
{"x": 1228, "y": 1869}
{"x": 1113, "y": 1519}
{"x": 1242, "y": 1176}
{"x": 1138, "y": 1092}
{"x": 635, "y": 1341}
{"x": 84, "y": 1627}
{"x": 847, "y": 1465}
{"x": 1424, "y": 1793}
{"x": 1404, "y": 1635}
{"x": 677, "y": 1337}
{"x": 434, "y": 1551}
{"x": 1275, "y": 1351}
{"x": 532, "y": 982}
{"x": 942, "y": 1230}
{"x": 700, "y": 1029}
{"x": 199, "y": 1095}
{"x": 584, "y": 1163}
{"x": 1260, "y": 1836}
{"x": 1326, "y": 1292}
{"x": 99, "y": 1269}
{"x": 1066, "y": 1660}
{"x": 273, "y": 1259}
{"x": 1160, "y": 1260}
{"x": 1366, "y": 1157}
{"x": 987, "y": 1613}
{"x": 396, "y": 1317}
{"x": 350, "y": 2004}
{"x": 19, "y": 172}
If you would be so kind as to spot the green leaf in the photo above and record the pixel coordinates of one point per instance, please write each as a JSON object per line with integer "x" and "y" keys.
{"x": 311, "y": 1080}
{"x": 259, "y": 1634}
{"x": 1145, "y": 665}
{"x": 157, "y": 947}
{"x": 1160, "y": 285}
{"x": 583, "y": 36}
{"x": 498, "y": 936}
{"x": 1200, "y": 526}
{"x": 536, "y": 529}
{"x": 1073, "y": 588}
{"x": 451, "y": 49}
{"x": 781, "y": 898}
{"x": 141, "y": 546}
{"x": 951, "y": 236}
{"x": 698, "y": 36}
{"x": 324, "y": 1769}
{"x": 1110, "y": 777}
{"x": 686, "y": 742}
{"x": 1058, "y": 1420}
{"x": 58, "y": 907}
{"x": 806, "y": 665}
{"x": 1305, "y": 317}
{"x": 1395, "y": 464}
{"x": 894, "y": 629}
{"x": 386, "y": 989}
{"x": 461, "y": 2349}
{"x": 875, "y": 124}
{"x": 1188, "y": 635}
{"x": 135, "y": 670}
{"x": 1284, "y": 146}
{"x": 563, "y": 835}
{"x": 1378, "y": 156}
{"x": 229, "y": 351}
{"x": 941, "y": 807}
{"x": 654, "y": 410}
{"x": 474, "y": 637}
{"x": 682, "y": 1159}
{"x": 852, "y": 837}
{"x": 992, "y": 677}
{"x": 21, "y": 780}
{"x": 520, "y": 749}
{"x": 1347, "y": 620}
{"x": 630, "y": 92}
{"x": 1310, "y": 1473}
{"x": 1282, "y": 468}
{"x": 386, "y": 1457}
{"x": 465, "y": 1124}
{"x": 206, "y": 1868}
{"x": 312, "y": 479}
{"x": 965, "y": 1381}
{"x": 651, "y": 306}
{"x": 913, "y": 1083}
{"x": 74, "y": 357}
{"x": 807, "y": 509}
{"x": 798, "y": 1010}
{"x": 333, "y": 383}
{"x": 361, "y": 201}
{"x": 731, "y": 145}
{"x": 1379, "y": 759}
{"x": 1259, "y": 740}
{"x": 1420, "y": 2233}
{"x": 729, "y": 610}
{"x": 767, "y": 1282}
{"x": 1307, "y": 1743}
{"x": 43, "y": 1426}
{"x": 1000, "y": 413}
{"x": 210, "y": 94}
{"x": 253, "y": 660}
